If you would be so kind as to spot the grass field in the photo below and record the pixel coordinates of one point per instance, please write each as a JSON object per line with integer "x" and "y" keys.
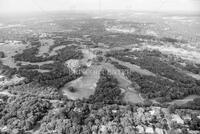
{"x": 134, "y": 68}
{"x": 85, "y": 85}
{"x": 185, "y": 100}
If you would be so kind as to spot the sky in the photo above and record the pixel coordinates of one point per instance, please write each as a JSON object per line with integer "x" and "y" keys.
{"x": 14, "y": 6}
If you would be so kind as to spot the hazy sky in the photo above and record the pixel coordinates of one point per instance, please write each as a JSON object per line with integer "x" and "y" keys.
{"x": 138, "y": 5}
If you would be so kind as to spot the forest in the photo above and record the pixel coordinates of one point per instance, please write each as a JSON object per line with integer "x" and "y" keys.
{"x": 24, "y": 112}
{"x": 167, "y": 85}
{"x": 107, "y": 90}
{"x": 57, "y": 77}
{"x": 37, "y": 105}
{"x": 58, "y": 73}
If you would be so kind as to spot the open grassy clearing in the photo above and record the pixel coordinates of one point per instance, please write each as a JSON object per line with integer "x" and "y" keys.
{"x": 45, "y": 45}
{"x": 134, "y": 68}
{"x": 119, "y": 29}
{"x": 88, "y": 55}
{"x": 133, "y": 96}
{"x": 185, "y": 100}
{"x": 84, "y": 85}
{"x": 39, "y": 64}
{"x": 36, "y": 63}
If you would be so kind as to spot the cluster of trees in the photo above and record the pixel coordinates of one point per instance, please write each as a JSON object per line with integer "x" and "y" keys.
{"x": 194, "y": 124}
{"x": 195, "y": 104}
{"x": 171, "y": 40}
{"x": 72, "y": 89}
{"x": 29, "y": 54}
{"x": 2, "y": 107}
{"x": 152, "y": 61}
{"x": 2, "y": 55}
{"x": 69, "y": 52}
{"x": 24, "y": 112}
{"x": 75, "y": 117}
{"x": 29, "y": 66}
{"x": 60, "y": 42}
{"x": 116, "y": 39}
{"x": 107, "y": 89}
{"x": 57, "y": 77}
{"x": 174, "y": 85}
{"x": 58, "y": 74}
{"x": 50, "y": 66}
{"x": 192, "y": 68}
{"x": 35, "y": 89}
{"x": 7, "y": 71}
